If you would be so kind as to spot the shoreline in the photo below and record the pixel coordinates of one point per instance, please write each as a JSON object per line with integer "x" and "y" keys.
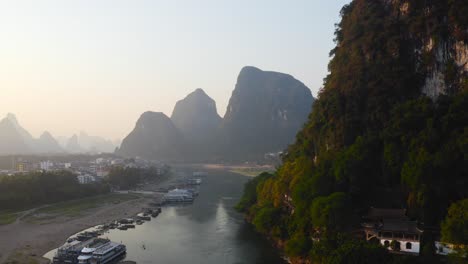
{"x": 27, "y": 239}
{"x": 28, "y": 242}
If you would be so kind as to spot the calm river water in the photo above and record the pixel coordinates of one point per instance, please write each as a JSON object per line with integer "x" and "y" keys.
{"x": 209, "y": 231}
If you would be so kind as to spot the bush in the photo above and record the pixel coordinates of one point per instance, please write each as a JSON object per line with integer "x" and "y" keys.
{"x": 266, "y": 218}
{"x": 298, "y": 245}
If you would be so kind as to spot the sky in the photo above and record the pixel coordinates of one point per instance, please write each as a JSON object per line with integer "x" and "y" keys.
{"x": 97, "y": 65}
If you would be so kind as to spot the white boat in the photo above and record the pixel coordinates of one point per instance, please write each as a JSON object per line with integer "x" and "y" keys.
{"x": 178, "y": 196}
{"x": 196, "y": 181}
{"x": 103, "y": 254}
{"x": 70, "y": 251}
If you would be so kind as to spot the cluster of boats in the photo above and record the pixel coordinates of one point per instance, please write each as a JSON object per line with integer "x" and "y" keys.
{"x": 127, "y": 223}
{"x": 91, "y": 251}
{"x": 88, "y": 248}
{"x": 185, "y": 194}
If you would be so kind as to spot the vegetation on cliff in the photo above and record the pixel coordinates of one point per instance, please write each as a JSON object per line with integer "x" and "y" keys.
{"x": 373, "y": 138}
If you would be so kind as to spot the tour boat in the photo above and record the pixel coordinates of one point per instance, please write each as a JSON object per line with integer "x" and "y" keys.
{"x": 178, "y": 196}
{"x": 103, "y": 254}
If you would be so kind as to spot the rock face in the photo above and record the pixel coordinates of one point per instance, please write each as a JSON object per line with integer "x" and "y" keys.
{"x": 47, "y": 144}
{"x": 437, "y": 31}
{"x": 264, "y": 113}
{"x": 196, "y": 117}
{"x": 154, "y": 137}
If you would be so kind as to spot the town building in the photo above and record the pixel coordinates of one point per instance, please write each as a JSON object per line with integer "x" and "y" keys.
{"x": 86, "y": 178}
{"x": 46, "y": 165}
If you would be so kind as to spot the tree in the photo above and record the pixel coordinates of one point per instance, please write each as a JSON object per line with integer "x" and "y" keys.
{"x": 455, "y": 226}
{"x": 331, "y": 212}
{"x": 249, "y": 196}
{"x": 266, "y": 218}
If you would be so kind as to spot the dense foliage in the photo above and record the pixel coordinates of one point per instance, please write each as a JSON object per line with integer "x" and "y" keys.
{"x": 372, "y": 138}
{"x": 455, "y": 227}
{"x": 37, "y": 188}
{"x": 249, "y": 197}
{"x": 127, "y": 178}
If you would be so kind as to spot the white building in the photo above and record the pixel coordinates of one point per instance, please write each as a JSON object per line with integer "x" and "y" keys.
{"x": 46, "y": 165}
{"x": 86, "y": 179}
{"x": 392, "y": 229}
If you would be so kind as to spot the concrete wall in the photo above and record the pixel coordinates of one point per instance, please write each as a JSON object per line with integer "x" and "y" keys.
{"x": 415, "y": 246}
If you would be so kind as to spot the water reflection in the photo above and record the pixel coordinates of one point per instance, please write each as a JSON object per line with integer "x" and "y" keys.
{"x": 208, "y": 231}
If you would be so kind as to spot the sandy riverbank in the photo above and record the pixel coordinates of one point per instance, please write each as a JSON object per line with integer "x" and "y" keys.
{"x": 34, "y": 233}
{"x": 31, "y": 236}
{"x": 27, "y": 240}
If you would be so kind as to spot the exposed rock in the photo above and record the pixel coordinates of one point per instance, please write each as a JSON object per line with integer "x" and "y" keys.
{"x": 265, "y": 112}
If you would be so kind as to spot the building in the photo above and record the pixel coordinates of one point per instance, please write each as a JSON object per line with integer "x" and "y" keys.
{"x": 102, "y": 171}
{"x": 393, "y": 229}
{"x": 23, "y": 166}
{"x": 46, "y": 165}
{"x": 86, "y": 179}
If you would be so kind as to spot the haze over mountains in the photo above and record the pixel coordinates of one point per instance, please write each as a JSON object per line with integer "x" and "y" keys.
{"x": 264, "y": 113}
{"x": 14, "y": 139}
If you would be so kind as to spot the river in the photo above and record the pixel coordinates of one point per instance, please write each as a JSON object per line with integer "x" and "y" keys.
{"x": 209, "y": 231}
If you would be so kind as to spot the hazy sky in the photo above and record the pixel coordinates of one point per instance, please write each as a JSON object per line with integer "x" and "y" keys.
{"x": 96, "y": 65}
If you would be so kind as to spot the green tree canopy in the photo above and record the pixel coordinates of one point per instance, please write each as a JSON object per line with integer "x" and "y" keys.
{"x": 455, "y": 226}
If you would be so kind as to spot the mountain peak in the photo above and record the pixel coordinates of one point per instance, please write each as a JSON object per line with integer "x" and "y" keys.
{"x": 12, "y": 118}
{"x": 199, "y": 91}
{"x": 197, "y": 94}
{"x": 154, "y": 137}
{"x": 249, "y": 69}
{"x": 196, "y": 116}
{"x": 265, "y": 111}
{"x": 151, "y": 114}
{"x": 47, "y": 144}
{"x": 46, "y": 134}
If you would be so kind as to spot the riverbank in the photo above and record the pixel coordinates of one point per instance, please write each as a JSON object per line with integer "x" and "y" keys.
{"x": 39, "y": 230}
{"x": 208, "y": 231}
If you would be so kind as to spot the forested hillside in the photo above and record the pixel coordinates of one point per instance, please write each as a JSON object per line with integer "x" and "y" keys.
{"x": 389, "y": 129}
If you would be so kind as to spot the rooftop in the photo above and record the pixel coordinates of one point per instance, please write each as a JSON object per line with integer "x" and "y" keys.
{"x": 386, "y": 213}
{"x": 400, "y": 226}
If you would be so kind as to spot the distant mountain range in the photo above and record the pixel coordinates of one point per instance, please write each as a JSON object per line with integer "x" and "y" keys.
{"x": 265, "y": 112}
{"x": 14, "y": 139}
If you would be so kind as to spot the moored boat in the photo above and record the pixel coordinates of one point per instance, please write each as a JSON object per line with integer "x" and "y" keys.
{"x": 103, "y": 254}
{"x": 69, "y": 252}
{"x": 178, "y": 196}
